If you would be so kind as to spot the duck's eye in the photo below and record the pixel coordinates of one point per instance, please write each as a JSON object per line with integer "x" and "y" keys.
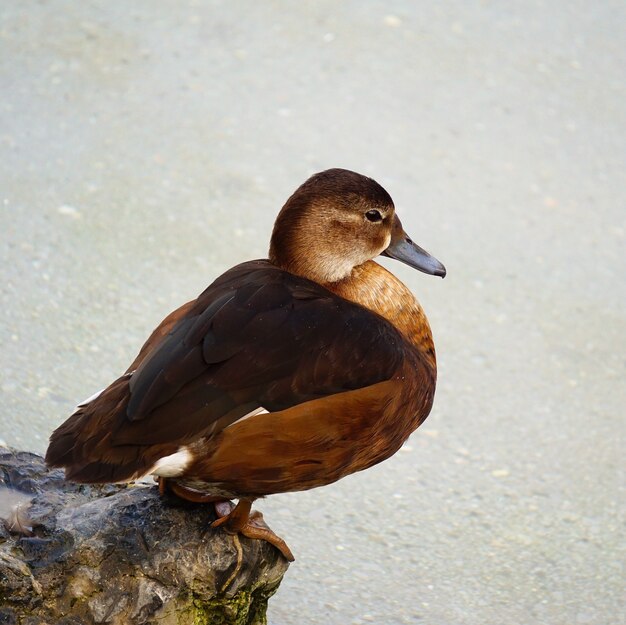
{"x": 374, "y": 215}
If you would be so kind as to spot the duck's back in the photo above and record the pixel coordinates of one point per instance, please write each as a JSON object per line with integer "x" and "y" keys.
{"x": 258, "y": 337}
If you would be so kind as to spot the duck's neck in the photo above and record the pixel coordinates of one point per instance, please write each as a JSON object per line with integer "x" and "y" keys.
{"x": 372, "y": 286}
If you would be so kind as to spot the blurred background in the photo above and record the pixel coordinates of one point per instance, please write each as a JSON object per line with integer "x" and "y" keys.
{"x": 146, "y": 147}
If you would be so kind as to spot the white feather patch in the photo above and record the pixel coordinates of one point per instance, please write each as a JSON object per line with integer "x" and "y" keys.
{"x": 172, "y": 465}
{"x": 252, "y": 413}
{"x": 83, "y": 403}
{"x": 89, "y": 399}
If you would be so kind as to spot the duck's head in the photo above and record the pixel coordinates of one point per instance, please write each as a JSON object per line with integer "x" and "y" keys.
{"x": 338, "y": 220}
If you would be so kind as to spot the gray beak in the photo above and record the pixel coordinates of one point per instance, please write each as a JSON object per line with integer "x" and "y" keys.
{"x": 403, "y": 249}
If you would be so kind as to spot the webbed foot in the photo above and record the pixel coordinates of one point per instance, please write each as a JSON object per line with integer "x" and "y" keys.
{"x": 239, "y": 520}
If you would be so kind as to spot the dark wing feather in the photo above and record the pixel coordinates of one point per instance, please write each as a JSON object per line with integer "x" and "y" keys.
{"x": 258, "y": 336}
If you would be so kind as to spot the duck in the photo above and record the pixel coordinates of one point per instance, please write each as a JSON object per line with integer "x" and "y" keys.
{"x": 285, "y": 374}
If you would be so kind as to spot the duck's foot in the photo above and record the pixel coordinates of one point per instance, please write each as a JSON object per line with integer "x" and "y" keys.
{"x": 239, "y": 520}
{"x": 235, "y": 519}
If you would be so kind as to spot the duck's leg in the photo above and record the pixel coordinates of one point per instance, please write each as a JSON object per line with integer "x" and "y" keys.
{"x": 235, "y": 519}
{"x": 188, "y": 494}
{"x": 239, "y": 520}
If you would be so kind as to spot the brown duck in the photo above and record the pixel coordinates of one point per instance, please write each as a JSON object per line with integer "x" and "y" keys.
{"x": 283, "y": 375}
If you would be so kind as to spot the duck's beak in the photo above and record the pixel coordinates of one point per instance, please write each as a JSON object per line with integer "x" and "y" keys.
{"x": 403, "y": 249}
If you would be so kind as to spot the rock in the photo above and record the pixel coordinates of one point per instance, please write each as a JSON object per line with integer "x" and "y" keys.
{"x": 122, "y": 555}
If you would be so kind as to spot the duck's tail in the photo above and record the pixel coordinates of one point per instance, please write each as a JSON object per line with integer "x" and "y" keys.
{"x": 83, "y": 444}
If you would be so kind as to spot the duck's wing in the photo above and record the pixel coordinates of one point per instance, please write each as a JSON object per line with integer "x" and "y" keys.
{"x": 258, "y": 337}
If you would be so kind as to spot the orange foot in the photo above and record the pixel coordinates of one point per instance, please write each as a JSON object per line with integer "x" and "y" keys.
{"x": 235, "y": 519}
{"x": 239, "y": 520}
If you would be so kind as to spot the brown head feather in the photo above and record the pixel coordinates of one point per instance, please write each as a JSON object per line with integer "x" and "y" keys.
{"x": 323, "y": 232}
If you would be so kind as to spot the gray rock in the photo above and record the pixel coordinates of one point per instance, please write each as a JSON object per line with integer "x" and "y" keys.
{"x": 79, "y": 555}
